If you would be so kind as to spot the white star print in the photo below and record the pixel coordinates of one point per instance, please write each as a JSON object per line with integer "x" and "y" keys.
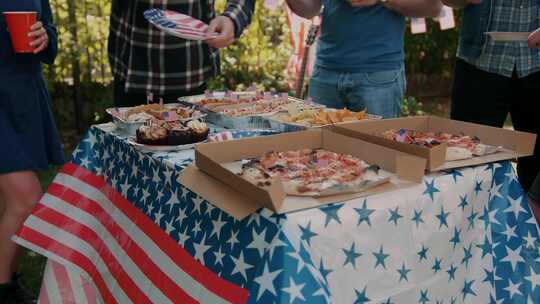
{"x": 276, "y": 242}
{"x": 159, "y": 195}
{"x": 197, "y": 201}
{"x": 173, "y": 200}
{"x": 125, "y": 188}
{"x": 218, "y": 225}
{"x": 233, "y": 239}
{"x": 295, "y": 291}
{"x": 182, "y": 238}
{"x": 145, "y": 195}
{"x": 150, "y": 209}
{"x": 266, "y": 281}
{"x": 181, "y": 215}
{"x": 91, "y": 140}
{"x": 240, "y": 265}
{"x": 168, "y": 175}
{"x": 169, "y": 226}
{"x": 259, "y": 242}
{"x": 530, "y": 240}
{"x": 254, "y": 217}
{"x": 155, "y": 176}
{"x": 492, "y": 218}
{"x": 515, "y": 206}
{"x": 183, "y": 193}
{"x": 121, "y": 173}
{"x": 200, "y": 250}
{"x": 134, "y": 169}
{"x": 85, "y": 162}
{"x": 196, "y": 228}
{"x": 509, "y": 232}
{"x": 495, "y": 191}
{"x": 534, "y": 279}
{"x": 300, "y": 262}
{"x": 105, "y": 155}
{"x": 513, "y": 257}
{"x": 114, "y": 181}
{"x": 219, "y": 256}
{"x": 158, "y": 216}
{"x": 512, "y": 288}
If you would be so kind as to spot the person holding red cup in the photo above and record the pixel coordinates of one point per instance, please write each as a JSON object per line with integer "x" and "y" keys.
{"x": 28, "y": 134}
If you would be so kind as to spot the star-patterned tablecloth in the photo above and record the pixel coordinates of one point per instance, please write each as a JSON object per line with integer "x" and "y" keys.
{"x": 464, "y": 236}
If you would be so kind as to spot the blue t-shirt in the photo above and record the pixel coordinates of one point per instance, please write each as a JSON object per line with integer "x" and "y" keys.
{"x": 360, "y": 39}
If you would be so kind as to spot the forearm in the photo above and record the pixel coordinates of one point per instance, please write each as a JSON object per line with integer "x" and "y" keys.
{"x": 48, "y": 55}
{"x": 305, "y": 8}
{"x": 415, "y": 8}
{"x": 240, "y": 12}
{"x": 456, "y": 3}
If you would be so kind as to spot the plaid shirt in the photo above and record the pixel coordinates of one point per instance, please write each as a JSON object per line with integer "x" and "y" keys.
{"x": 504, "y": 57}
{"x": 148, "y": 60}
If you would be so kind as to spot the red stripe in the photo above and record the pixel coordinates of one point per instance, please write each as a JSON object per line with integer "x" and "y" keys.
{"x": 66, "y": 252}
{"x": 89, "y": 236}
{"x": 136, "y": 253}
{"x": 64, "y": 285}
{"x": 179, "y": 255}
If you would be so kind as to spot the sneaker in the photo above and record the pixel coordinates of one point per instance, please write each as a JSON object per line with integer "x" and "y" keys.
{"x": 19, "y": 293}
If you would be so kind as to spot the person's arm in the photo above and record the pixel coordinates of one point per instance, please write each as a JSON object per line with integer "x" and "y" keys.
{"x": 48, "y": 55}
{"x": 305, "y": 8}
{"x": 231, "y": 24}
{"x": 534, "y": 42}
{"x": 240, "y": 12}
{"x": 460, "y": 3}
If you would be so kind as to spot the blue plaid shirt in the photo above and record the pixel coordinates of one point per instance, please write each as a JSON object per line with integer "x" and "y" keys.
{"x": 504, "y": 57}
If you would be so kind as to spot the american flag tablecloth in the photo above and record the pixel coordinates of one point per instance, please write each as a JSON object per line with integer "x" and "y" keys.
{"x": 120, "y": 228}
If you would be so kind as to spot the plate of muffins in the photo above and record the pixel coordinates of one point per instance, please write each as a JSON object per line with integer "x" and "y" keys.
{"x": 159, "y": 135}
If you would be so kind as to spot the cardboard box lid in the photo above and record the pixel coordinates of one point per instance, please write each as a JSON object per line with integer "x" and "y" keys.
{"x": 211, "y": 158}
{"x": 515, "y": 143}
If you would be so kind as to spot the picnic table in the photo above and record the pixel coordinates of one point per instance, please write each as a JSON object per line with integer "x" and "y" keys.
{"x": 118, "y": 226}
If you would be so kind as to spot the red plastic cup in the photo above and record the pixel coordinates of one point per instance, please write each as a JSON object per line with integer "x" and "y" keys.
{"x": 19, "y": 24}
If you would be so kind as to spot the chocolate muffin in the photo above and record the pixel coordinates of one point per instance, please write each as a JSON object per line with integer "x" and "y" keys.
{"x": 155, "y": 135}
{"x": 200, "y": 130}
{"x": 180, "y": 135}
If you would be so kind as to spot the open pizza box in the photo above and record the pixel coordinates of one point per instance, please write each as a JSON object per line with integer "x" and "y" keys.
{"x": 511, "y": 144}
{"x": 215, "y": 179}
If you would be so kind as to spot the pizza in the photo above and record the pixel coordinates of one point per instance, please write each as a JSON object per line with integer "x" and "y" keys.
{"x": 459, "y": 146}
{"x": 310, "y": 172}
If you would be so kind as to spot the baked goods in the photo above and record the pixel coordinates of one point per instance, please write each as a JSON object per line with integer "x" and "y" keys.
{"x": 320, "y": 117}
{"x": 147, "y": 112}
{"x": 160, "y": 133}
{"x": 459, "y": 146}
{"x": 311, "y": 172}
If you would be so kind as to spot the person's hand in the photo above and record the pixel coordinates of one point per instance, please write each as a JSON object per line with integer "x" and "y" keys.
{"x": 41, "y": 38}
{"x": 362, "y": 3}
{"x": 534, "y": 40}
{"x": 224, "y": 28}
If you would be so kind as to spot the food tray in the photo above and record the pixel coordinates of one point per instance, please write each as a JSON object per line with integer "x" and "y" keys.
{"x": 247, "y": 122}
{"x": 292, "y": 127}
{"x": 131, "y": 127}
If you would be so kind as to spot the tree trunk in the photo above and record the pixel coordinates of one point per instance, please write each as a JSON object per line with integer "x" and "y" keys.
{"x": 76, "y": 65}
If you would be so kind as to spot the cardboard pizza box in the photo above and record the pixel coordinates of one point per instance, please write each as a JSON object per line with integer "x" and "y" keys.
{"x": 215, "y": 180}
{"x": 514, "y": 143}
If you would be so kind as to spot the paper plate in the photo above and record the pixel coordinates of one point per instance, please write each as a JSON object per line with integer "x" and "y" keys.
{"x": 176, "y": 24}
{"x": 509, "y": 36}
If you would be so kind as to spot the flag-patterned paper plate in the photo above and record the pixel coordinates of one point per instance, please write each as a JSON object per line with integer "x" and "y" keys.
{"x": 176, "y": 24}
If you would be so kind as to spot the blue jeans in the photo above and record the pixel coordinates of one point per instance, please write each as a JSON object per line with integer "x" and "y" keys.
{"x": 381, "y": 93}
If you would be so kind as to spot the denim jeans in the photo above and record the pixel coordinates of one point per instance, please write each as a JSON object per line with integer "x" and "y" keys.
{"x": 381, "y": 93}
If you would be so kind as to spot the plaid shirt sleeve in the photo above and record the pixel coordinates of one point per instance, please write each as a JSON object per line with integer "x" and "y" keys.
{"x": 240, "y": 12}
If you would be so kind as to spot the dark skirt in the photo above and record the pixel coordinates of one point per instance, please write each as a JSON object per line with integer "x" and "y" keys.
{"x": 29, "y": 138}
